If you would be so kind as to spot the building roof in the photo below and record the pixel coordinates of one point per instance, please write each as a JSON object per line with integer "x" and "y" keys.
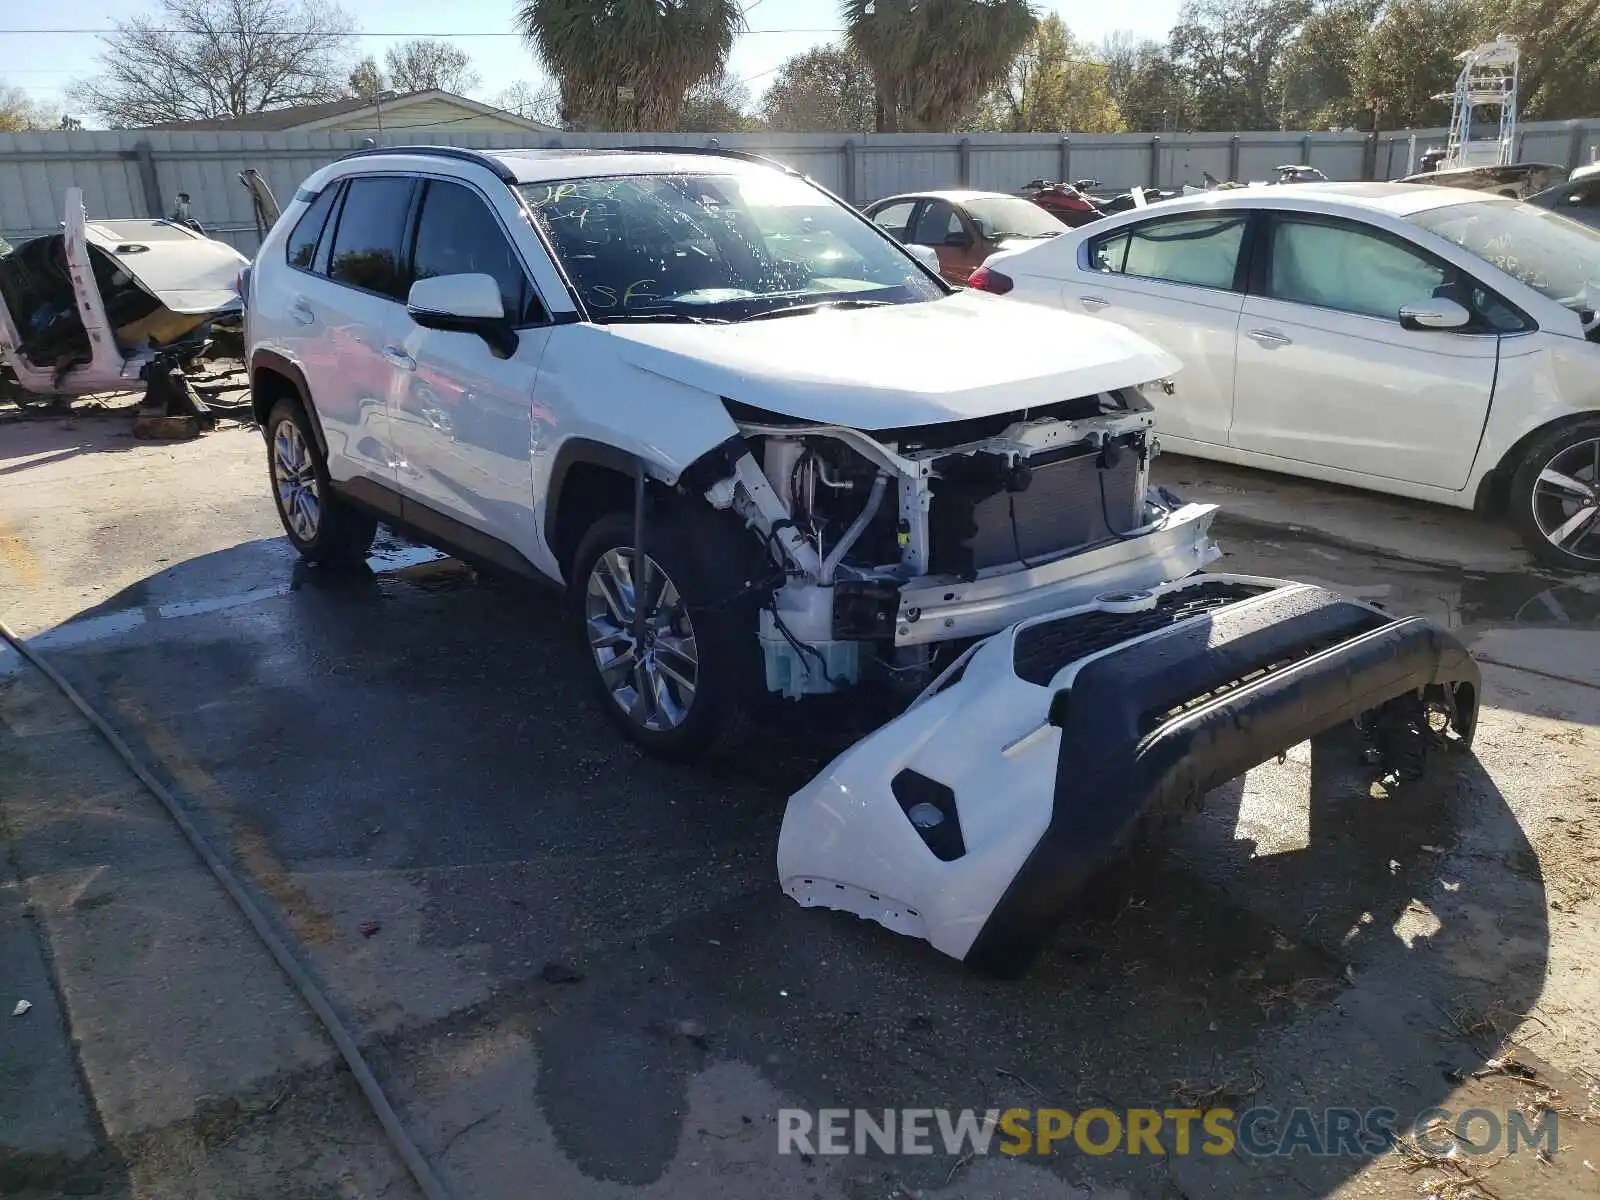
{"x": 302, "y": 116}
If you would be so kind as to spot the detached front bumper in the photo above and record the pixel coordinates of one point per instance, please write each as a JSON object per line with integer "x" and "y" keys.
{"x": 972, "y": 819}
{"x": 933, "y": 610}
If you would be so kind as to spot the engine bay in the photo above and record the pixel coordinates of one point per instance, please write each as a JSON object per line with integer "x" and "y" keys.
{"x": 864, "y": 518}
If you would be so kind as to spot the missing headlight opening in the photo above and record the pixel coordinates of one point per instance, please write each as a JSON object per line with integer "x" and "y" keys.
{"x": 970, "y": 508}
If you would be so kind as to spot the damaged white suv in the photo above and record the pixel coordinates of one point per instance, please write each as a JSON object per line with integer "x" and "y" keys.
{"x": 767, "y": 450}
{"x": 844, "y": 463}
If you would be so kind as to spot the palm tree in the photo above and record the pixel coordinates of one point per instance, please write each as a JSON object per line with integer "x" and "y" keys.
{"x": 627, "y": 64}
{"x": 934, "y": 59}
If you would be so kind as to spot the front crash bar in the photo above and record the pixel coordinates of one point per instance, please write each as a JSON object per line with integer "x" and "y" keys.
{"x": 1159, "y": 723}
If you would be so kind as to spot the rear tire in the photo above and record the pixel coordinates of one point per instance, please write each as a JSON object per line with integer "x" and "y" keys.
{"x": 1554, "y": 497}
{"x": 702, "y": 668}
{"x": 322, "y": 526}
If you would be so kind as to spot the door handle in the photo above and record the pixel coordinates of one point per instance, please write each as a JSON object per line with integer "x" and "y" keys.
{"x": 301, "y": 311}
{"x": 1269, "y": 337}
{"x": 399, "y": 358}
{"x": 1093, "y": 302}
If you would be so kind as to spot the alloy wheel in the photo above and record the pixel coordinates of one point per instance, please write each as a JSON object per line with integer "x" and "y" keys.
{"x": 295, "y": 477}
{"x": 1566, "y": 500}
{"x": 651, "y": 677}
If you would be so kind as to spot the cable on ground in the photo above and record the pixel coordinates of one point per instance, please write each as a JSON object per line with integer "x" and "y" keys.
{"x": 259, "y": 922}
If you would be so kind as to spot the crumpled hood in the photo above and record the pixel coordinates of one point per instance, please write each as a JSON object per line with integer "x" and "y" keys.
{"x": 966, "y": 355}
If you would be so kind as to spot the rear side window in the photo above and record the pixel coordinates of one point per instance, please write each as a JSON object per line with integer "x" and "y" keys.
{"x": 1199, "y": 251}
{"x": 366, "y": 243}
{"x": 895, "y": 217}
{"x": 302, "y": 247}
{"x": 458, "y": 235}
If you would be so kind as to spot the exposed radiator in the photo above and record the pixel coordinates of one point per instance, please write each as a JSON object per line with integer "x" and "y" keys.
{"x": 974, "y": 524}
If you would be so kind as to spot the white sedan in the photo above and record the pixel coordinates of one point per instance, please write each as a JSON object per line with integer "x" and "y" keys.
{"x": 1425, "y": 341}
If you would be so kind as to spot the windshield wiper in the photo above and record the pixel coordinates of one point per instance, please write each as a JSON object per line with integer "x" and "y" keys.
{"x": 816, "y": 306}
{"x": 687, "y": 318}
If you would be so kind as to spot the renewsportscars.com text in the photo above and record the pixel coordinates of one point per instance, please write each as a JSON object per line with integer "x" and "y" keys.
{"x": 1257, "y": 1132}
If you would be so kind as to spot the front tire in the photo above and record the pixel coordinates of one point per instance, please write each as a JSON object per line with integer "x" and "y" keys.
{"x": 1555, "y": 497}
{"x": 319, "y": 524}
{"x": 688, "y": 692}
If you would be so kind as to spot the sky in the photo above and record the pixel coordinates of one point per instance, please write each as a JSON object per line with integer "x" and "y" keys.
{"x": 44, "y": 63}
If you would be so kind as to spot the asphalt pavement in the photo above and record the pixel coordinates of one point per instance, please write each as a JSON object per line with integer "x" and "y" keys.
{"x": 570, "y": 965}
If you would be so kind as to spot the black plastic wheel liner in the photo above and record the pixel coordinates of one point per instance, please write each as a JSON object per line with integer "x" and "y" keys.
{"x": 1247, "y": 682}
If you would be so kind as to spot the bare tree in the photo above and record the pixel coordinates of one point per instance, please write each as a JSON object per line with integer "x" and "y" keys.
{"x": 539, "y": 101}
{"x": 428, "y": 64}
{"x": 195, "y": 60}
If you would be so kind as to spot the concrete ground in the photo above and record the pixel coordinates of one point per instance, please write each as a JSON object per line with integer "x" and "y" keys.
{"x": 571, "y": 967}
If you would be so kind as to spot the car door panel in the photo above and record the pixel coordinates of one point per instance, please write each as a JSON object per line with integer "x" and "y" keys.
{"x": 936, "y": 225}
{"x": 347, "y": 308}
{"x": 1171, "y": 280}
{"x": 1319, "y": 382}
{"x": 462, "y": 415}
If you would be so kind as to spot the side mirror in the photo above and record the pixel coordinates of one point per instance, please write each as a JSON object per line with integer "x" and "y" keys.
{"x": 463, "y": 304}
{"x": 926, "y": 255}
{"x": 1437, "y": 312}
{"x": 961, "y": 240}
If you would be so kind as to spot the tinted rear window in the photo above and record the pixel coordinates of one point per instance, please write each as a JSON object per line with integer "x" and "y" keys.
{"x": 302, "y": 248}
{"x": 366, "y": 245}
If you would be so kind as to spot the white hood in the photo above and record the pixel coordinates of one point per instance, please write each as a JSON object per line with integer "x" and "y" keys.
{"x": 967, "y": 355}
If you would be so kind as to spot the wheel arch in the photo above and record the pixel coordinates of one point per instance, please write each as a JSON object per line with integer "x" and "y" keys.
{"x": 274, "y": 377}
{"x": 1494, "y": 489}
{"x": 587, "y": 480}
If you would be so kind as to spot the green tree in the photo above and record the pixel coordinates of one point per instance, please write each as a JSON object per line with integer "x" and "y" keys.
{"x": 933, "y": 60}
{"x": 1560, "y": 41}
{"x": 1053, "y": 85}
{"x": 720, "y": 105}
{"x": 366, "y": 78}
{"x": 1318, "y": 77}
{"x": 1410, "y": 58}
{"x": 1229, "y": 53}
{"x": 828, "y": 89}
{"x": 628, "y": 64}
{"x": 1144, "y": 83}
{"x": 20, "y": 113}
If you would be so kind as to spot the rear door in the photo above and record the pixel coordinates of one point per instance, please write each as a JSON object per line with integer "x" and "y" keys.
{"x": 346, "y": 307}
{"x": 1328, "y": 375}
{"x": 1177, "y": 280}
{"x": 462, "y": 416}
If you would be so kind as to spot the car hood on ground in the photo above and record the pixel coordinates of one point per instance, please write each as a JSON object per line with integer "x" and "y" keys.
{"x": 966, "y": 355}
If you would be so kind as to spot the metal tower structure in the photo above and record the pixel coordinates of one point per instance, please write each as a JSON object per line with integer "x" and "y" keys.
{"x": 1488, "y": 79}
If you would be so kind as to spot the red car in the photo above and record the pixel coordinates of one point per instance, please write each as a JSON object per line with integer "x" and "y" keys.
{"x": 962, "y": 227}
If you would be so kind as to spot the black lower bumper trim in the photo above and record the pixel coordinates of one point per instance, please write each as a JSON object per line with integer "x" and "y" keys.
{"x": 1268, "y": 681}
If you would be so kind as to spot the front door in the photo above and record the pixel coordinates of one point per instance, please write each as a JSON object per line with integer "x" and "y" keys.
{"x": 940, "y": 227}
{"x": 1328, "y": 375}
{"x": 463, "y": 416}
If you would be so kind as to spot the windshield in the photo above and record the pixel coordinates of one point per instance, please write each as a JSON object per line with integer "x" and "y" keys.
{"x": 717, "y": 247}
{"x": 1549, "y": 253}
{"x": 1010, "y": 217}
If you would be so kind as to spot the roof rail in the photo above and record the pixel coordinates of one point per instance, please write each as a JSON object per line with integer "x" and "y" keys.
{"x": 715, "y": 151}
{"x": 460, "y": 153}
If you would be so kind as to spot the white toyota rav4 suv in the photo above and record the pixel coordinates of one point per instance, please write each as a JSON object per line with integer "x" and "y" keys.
{"x": 766, "y": 449}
